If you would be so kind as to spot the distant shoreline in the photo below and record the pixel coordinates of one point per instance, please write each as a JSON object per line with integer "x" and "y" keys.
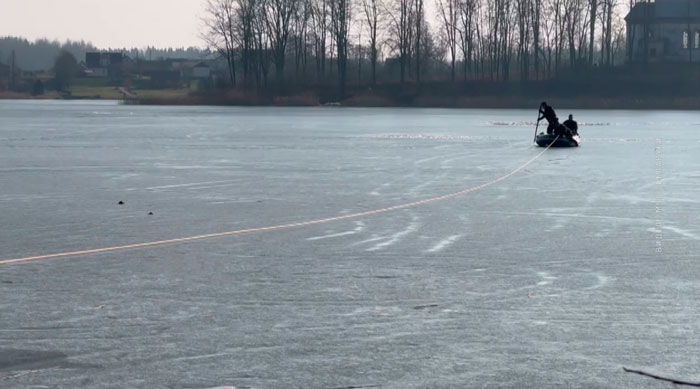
{"x": 370, "y": 101}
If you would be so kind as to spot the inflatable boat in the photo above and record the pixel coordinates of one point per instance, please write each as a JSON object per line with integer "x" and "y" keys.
{"x": 543, "y": 140}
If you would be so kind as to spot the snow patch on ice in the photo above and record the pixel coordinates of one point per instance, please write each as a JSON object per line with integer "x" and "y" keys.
{"x": 682, "y": 232}
{"x": 546, "y": 278}
{"x": 199, "y": 185}
{"x": 602, "y": 281}
{"x": 395, "y": 238}
{"x": 381, "y": 311}
{"x": 374, "y": 238}
{"x": 559, "y": 224}
{"x": 444, "y": 243}
{"x": 360, "y": 227}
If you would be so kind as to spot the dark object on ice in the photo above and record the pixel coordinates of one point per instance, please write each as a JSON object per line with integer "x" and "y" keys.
{"x": 572, "y": 125}
{"x": 660, "y": 378}
{"x": 150, "y": 213}
{"x": 32, "y": 360}
{"x": 419, "y": 307}
{"x": 543, "y": 140}
{"x": 120, "y": 202}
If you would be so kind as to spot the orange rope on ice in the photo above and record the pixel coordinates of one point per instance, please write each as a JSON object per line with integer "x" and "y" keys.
{"x": 277, "y": 227}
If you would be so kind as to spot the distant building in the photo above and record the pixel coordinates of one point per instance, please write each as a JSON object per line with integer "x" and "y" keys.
{"x": 107, "y": 64}
{"x": 103, "y": 60}
{"x": 190, "y": 69}
{"x": 664, "y": 31}
{"x": 96, "y": 72}
{"x": 201, "y": 70}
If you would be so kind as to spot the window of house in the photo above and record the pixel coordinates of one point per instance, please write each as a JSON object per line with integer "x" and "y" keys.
{"x": 685, "y": 39}
{"x": 696, "y": 41}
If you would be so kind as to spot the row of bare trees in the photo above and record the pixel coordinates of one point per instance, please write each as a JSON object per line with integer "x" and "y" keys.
{"x": 465, "y": 39}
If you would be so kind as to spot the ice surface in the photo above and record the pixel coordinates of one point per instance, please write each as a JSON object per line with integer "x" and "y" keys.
{"x": 556, "y": 277}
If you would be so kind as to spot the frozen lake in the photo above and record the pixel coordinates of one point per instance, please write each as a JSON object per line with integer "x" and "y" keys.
{"x": 558, "y": 276}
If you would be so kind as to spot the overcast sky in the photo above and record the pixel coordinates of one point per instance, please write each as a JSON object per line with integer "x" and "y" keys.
{"x": 111, "y": 23}
{"x": 106, "y": 23}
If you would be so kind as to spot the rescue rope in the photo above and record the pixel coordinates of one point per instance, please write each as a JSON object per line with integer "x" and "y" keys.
{"x": 277, "y": 227}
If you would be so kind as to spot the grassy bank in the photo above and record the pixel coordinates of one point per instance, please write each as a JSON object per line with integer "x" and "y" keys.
{"x": 9, "y": 95}
{"x": 115, "y": 93}
{"x": 364, "y": 99}
{"x": 373, "y": 100}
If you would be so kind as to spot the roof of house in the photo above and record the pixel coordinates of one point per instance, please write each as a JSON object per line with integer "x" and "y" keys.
{"x": 641, "y": 12}
{"x": 673, "y": 10}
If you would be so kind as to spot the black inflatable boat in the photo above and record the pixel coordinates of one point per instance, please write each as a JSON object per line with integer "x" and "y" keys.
{"x": 543, "y": 140}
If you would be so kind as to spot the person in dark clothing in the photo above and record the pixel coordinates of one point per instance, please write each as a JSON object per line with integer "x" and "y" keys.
{"x": 572, "y": 125}
{"x": 547, "y": 112}
{"x": 563, "y": 130}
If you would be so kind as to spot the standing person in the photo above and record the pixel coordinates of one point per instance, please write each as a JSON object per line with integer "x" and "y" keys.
{"x": 572, "y": 125}
{"x": 547, "y": 112}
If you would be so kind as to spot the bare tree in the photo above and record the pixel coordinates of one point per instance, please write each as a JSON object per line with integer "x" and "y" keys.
{"x": 576, "y": 25}
{"x": 278, "y": 16}
{"x": 300, "y": 24}
{"x": 219, "y": 21}
{"x": 536, "y": 14}
{"x": 340, "y": 21}
{"x": 560, "y": 17}
{"x": 401, "y": 32}
{"x": 525, "y": 26}
{"x": 490, "y": 39}
{"x": 449, "y": 17}
{"x": 469, "y": 30}
{"x": 262, "y": 46}
{"x": 618, "y": 41}
{"x": 550, "y": 35}
{"x": 319, "y": 27}
{"x": 608, "y": 10}
{"x": 245, "y": 36}
{"x": 501, "y": 16}
{"x": 593, "y": 9}
{"x": 419, "y": 22}
{"x": 373, "y": 16}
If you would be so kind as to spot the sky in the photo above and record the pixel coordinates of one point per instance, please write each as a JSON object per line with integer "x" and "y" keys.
{"x": 111, "y": 23}
{"x": 106, "y": 23}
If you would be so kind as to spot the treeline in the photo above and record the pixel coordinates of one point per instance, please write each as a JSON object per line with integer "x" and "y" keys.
{"x": 41, "y": 54}
{"x": 272, "y": 44}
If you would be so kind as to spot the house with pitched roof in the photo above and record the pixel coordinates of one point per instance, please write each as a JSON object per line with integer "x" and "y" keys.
{"x": 664, "y": 31}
